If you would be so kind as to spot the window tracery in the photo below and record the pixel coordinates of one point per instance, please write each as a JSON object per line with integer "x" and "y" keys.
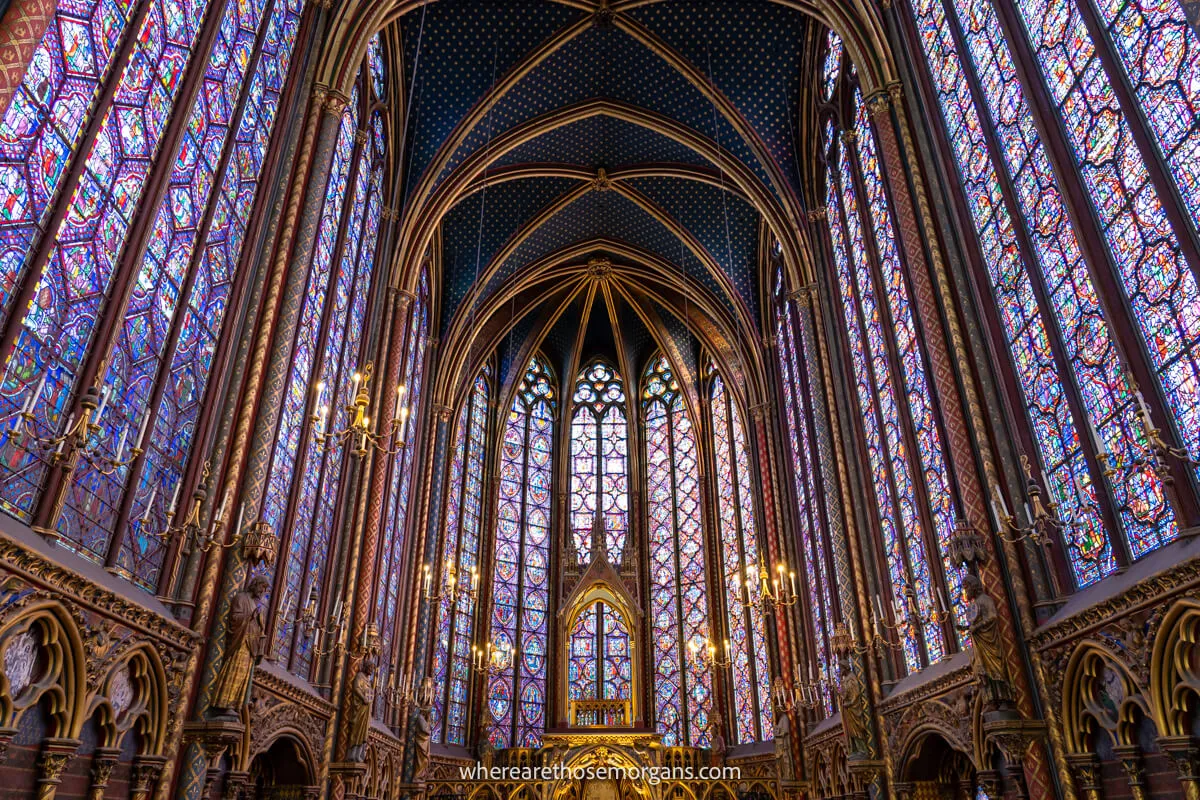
{"x": 521, "y": 576}
{"x": 599, "y": 461}
{"x": 678, "y": 601}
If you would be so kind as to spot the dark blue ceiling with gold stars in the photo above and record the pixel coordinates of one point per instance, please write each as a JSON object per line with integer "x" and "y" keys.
{"x": 554, "y": 92}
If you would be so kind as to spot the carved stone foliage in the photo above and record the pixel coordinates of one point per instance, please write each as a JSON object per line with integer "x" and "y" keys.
{"x": 946, "y": 705}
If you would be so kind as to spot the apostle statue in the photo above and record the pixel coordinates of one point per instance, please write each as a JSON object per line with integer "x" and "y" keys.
{"x": 716, "y": 740}
{"x": 987, "y": 652}
{"x": 783, "y": 744}
{"x": 423, "y": 732}
{"x": 358, "y": 711}
{"x": 245, "y": 644}
{"x": 852, "y": 698}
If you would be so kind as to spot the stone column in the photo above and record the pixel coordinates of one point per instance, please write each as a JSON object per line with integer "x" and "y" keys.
{"x": 1185, "y": 752}
{"x": 1085, "y": 770}
{"x": 902, "y": 790}
{"x": 103, "y": 761}
{"x": 56, "y": 754}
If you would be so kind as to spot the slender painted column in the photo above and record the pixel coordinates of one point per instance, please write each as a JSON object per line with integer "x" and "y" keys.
{"x": 315, "y": 151}
{"x": 425, "y": 608}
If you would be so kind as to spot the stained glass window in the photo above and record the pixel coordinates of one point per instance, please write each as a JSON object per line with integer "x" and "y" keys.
{"x": 299, "y": 401}
{"x": 798, "y": 387}
{"x": 328, "y": 364}
{"x": 167, "y": 322}
{"x": 397, "y": 503}
{"x": 600, "y": 666}
{"x": 1161, "y": 55}
{"x": 460, "y": 556}
{"x": 521, "y": 577}
{"x": 1159, "y": 285}
{"x": 741, "y": 561}
{"x": 85, "y": 249}
{"x": 599, "y": 456}
{"x": 1067, "y": 362}
{"x": 678, "y": 605}
{"x": 833, "y": 63}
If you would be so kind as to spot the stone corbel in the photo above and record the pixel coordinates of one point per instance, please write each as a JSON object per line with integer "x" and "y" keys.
{"x": 1085, "y": 769}
{"x": 103, "y": 762}
{"x": 145, "y": 776}
{"x": 215, "y": 737}
{"x": 56, "y": 754}
{"x": 1185, "y": 752}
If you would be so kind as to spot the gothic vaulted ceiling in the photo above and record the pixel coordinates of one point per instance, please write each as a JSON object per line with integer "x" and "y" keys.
{"x": 656, "y": 136}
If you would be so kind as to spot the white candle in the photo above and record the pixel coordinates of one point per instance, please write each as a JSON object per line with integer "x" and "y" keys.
{"x": 121, "y": 442}
{"x": 941, "y": 596}
{"x": 150, "y": 503}
{"x": 36, "y": 394}
{"x": 399, "y": 400}
{"x": 241, "y": 515}
{"x": 1028, "y": 515}
{"x": 1141, "y": 401}
{"x": 175, "y": 497}
{"x": 105, "y": 394}
{"x": 221, "y": 510}
{"x": 1097, "y": 442}
{"x": 142, "y": 432}
{"x": 998, "y": 496}
{"x": 337, "y": 610}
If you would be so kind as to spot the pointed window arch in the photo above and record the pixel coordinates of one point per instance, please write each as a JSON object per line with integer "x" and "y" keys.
{"x": 678, "y": 583}
{"x": 455, "y": 629}
{"x": 599, "y": 460}
{"x": 740, "y": 558}
{"x": 521, "y": 578}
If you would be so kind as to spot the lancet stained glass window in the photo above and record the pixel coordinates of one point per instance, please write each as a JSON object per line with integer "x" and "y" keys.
{"x": 601, "y": 663}
{"x": 328, "y": 365}
{"x": 166, "y": 325}
{"x": 741, "y": 562}
{"x": 798, "y": 385}
{"x": 1063, "y": 340}
{"x": 678, "y": 602}
{"x": 521, "y": 579}
{"x": 460, "y": 554}
{"x": 599, "y": 461}
{"x": 891, "y": 474}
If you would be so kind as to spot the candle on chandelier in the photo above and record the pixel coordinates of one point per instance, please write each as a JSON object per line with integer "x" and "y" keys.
{"x": 34, "y": 395}
{"x": 105, "y": 394}
{"x": 149, "y": 505}
{"x": 399, "y": 400}
{"x": 142, "y": 432}
{"x": 241, "y": 516}
{"x": 175, "y": 497}
{"x": 121, "y": 442}
{"x": 428, "y": 579}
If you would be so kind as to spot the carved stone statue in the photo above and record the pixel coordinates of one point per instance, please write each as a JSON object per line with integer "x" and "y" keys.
{"x": 987, "y": 653}
{"x": 486, "y": 751}
{"x": 422, "y": 733}
{"x": 358, "y": 712}
{"x": 852, "y": 698}
{"x": 245, "y": 643}
{"x": 783, "y": 745}
{"x": 716, "y": 740}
